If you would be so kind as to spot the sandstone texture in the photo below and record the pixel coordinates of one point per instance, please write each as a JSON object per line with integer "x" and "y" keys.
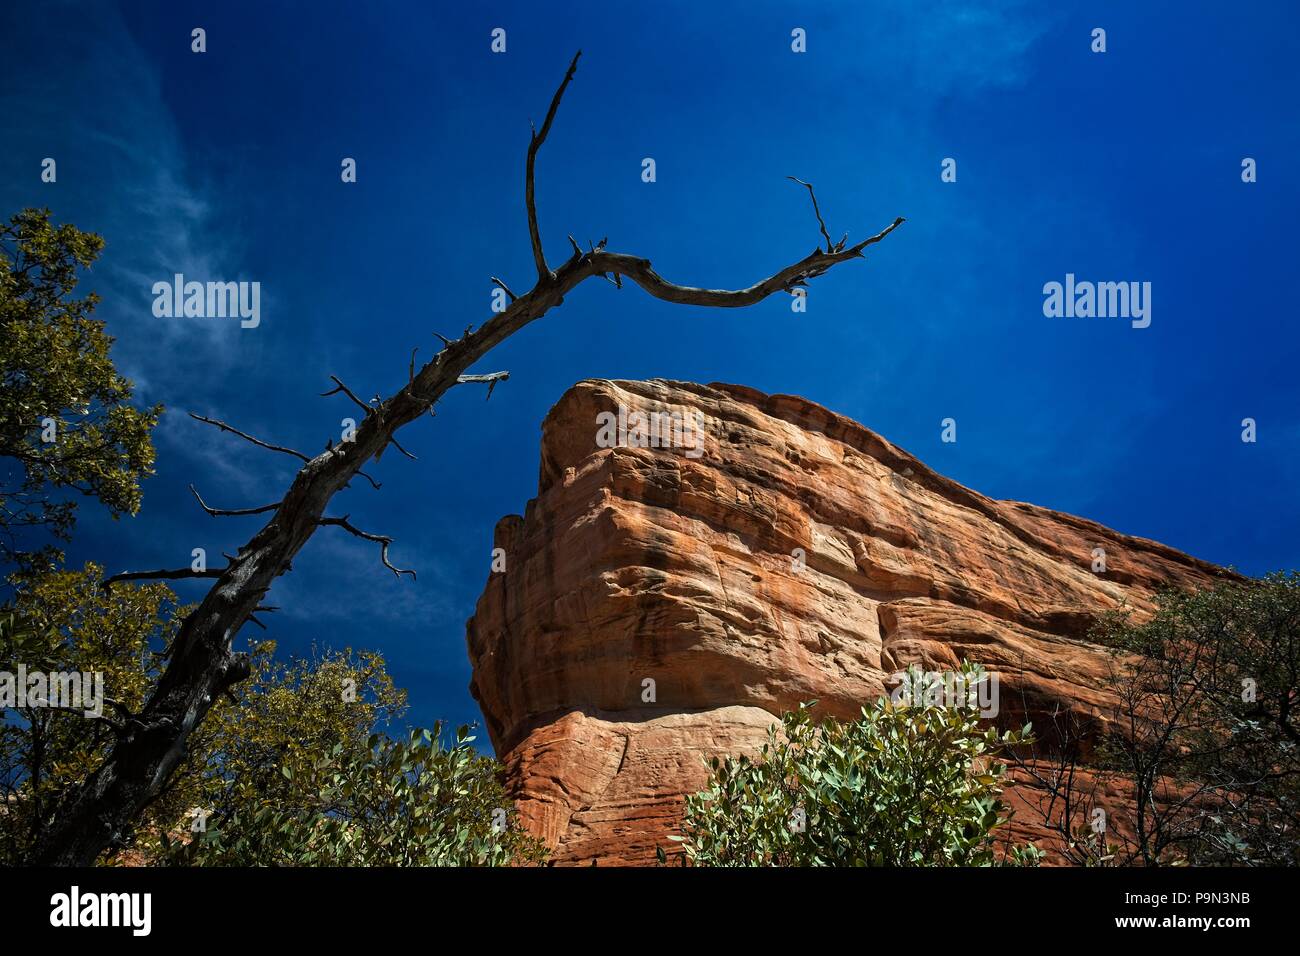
{"x": 794, "y": 556}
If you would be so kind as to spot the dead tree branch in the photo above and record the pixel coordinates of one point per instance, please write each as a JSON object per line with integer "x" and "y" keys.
{"x": 249, "y": 438}
{"x": 396, "y": 444}
{"x": 340, "y": 387}
{"x": 491, "y": 379}
{"x": 230, "y": 512}
{"x": 373, "y": 484}
{"x": 203, "y": 666}
{"x": 818, "y": 213}
{"x": 535, "y": 144}
{"x": 173, "y": 574}
{"x": 381, "y": 539}
{"x": 503, "y": 287}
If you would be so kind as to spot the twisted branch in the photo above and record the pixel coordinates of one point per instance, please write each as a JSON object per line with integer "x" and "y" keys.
{"x": 382, "y": 539}
{"x": 230, "y": 512}
{"x": 818, "y": 213}
{"x": 534, "y": 144}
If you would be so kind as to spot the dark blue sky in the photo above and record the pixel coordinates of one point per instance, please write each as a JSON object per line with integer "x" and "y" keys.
{"x": 1117, "y": 166}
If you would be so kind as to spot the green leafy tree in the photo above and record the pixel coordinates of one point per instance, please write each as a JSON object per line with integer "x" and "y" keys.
{"x": 900, "y": 786}
{"x": 66, "y": 425}
{"x": 287, "y": 715}
{"x": 68, "y": 621}
{"x": 389, "y": 802}
{"x": 295, "y": 750}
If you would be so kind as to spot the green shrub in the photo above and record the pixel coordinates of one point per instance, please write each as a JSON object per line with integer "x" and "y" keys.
{"x": 388, "y": 803}
{"x": 900, "y": 786}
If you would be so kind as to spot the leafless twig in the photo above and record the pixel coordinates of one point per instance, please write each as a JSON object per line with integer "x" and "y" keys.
{"x": 230, "y": 512}
{"x": 503, "y": 287}
{"x": 340, "y": 387}
{"x": 381, "y": 539}
{"x": 534, "y": 144}
{"x": 249, "y": 438}
{"x": 818, "y": 213}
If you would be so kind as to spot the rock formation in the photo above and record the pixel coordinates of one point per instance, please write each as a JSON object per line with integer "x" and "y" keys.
{"x": 660, "y": 604}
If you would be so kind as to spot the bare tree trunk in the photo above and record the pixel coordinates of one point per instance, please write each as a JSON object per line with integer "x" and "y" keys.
{"x": 149, "y": 745}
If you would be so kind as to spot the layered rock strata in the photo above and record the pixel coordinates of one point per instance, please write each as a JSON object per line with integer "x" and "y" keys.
{"x": 660, "y": 605}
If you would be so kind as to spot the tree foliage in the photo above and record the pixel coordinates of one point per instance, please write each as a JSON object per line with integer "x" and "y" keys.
{"x": 58, "y": 381}
{"x": 288, "y": 714}
{"x": 901, "y": 785}
{"x": 291, "y": 772}
{"x": 1209, "y": 730}
{"x": 411, "y": 802}
{"x": 68, "y": 621}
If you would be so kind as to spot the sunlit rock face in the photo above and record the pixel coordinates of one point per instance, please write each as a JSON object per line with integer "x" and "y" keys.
{"x": 659, "y": 605}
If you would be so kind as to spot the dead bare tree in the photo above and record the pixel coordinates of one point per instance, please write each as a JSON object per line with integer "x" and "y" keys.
{"x": 1180, "y": 777}
{"x": 202, "y": 665}
{"x": 1064, "y": 792}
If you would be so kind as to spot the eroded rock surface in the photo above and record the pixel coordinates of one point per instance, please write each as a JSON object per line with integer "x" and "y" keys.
{"x": 794, "y": 555}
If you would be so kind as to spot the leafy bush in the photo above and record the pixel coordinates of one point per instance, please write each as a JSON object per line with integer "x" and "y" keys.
{"x": 388, "y": 803}
{"x": 287, "y": 770}
{"x": 68, "y": 621}
{"x": 900, "y": 786}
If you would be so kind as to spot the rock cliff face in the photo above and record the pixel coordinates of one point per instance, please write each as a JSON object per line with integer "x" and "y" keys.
{"x": 660, "y": 604}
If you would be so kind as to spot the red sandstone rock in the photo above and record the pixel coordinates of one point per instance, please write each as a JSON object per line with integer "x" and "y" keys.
{"x": 636, "y": 564}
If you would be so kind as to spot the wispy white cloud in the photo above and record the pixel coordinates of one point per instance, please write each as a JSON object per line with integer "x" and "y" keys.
{"x": 122, "y": 172}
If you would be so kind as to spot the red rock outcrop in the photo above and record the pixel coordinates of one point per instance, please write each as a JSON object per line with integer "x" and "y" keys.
{"x": 793, "y": 555}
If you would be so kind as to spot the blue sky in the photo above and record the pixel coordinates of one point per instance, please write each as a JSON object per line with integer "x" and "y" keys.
{"x": 1117, "y": 166}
